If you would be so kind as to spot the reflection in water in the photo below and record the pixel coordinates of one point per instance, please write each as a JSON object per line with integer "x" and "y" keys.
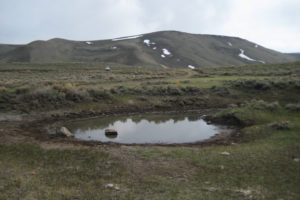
{"x": 154, "y": 128}
{"x": 111, "y": 136}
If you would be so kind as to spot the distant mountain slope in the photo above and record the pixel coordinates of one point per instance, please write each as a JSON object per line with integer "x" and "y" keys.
{"x": 295, "y": 55}
{"x": 168, "y": 48}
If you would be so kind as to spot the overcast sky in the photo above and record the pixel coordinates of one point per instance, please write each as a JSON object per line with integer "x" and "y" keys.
{"x": 272, "y": 23}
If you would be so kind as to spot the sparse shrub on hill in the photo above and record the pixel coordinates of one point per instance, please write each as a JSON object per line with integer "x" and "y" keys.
{"x": 252, "y": 84}
{"x": 280, "y": 84}
{"x": 172, "y": 90}
{"x": 157, "y": 90}
{"x": 262, "y": 105}
{"x": 293, "y": 107}
{"x": 297, "y": 84}
{"x": 265, "y": 84}
{"x": 158, "y": 83}
{"x": 2, "y": 89}
{"x": 283, "y": 125}
{"x": 221, "y": 91}
{"x": 76, "y": 95}
{"x": 99, "y": 94}
{"x": 192, "y": 90}
{"x": 23, "y": 89}
{"x": 121, "y": 90}
{"x": 48, "y": 96}
{"x": 7, "y": 99}
{"x": 72, "y": 93}
{"x": 44, "y": 96}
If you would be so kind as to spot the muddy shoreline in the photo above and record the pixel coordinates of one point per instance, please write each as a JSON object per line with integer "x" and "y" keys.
{"x": 43, "y": 127}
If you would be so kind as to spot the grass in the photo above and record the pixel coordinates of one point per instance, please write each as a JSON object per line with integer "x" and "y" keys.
{"x": 43, "y": 87}
{"x": 256, "y": 169}
{"x": 263, "y": 155}
{"x": 29, "y": 172}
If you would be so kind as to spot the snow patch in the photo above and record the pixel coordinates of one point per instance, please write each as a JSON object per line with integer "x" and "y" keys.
{"x": 242, "y": 55}
{"x": 191, "y": 67}
{"x": 166, "y": 52}
{"x": 87, "y": 42}
{"x": 255, "y": 45}
{"x": 162, "y": 55}
{"x": 127, "y": 38}
{"x": 229, "y": 43}
{"x": 154, "y": 48}
{"x": 114, "y": 48}
{"x": 148, "y": 42}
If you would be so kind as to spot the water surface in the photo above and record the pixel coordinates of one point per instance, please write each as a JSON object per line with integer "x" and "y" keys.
{"x": 147, "y": 128}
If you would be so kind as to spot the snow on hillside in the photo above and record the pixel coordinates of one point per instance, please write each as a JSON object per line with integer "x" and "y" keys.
{"x": 148, "y": 42}
{"x": 127, "y": 38}
{"x": 166, "y": 51}
{"x": 191, "y": 67}
{"x": 242, "y": 55}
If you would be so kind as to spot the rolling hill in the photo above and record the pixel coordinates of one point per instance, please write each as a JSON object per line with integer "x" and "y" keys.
{"x": 165, "y": 48}
{"x": 295, "y": 55}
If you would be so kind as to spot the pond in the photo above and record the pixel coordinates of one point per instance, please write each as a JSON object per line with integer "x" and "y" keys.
{"x": 170, "y": 128}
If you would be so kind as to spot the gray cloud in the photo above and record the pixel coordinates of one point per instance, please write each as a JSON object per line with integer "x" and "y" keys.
{"x": 272, "y": 23}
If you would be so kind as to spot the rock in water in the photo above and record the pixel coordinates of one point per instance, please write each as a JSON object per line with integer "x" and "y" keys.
{"x": 111, "y": 132}
{"x": 66, "y": 132}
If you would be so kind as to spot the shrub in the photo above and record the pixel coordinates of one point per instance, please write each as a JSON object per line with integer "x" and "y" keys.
{"x": 142, "y": 98}
{"x": 221, "y": 91}
{"x": 3, "y": 89}
{"x": 284, "y": 125}
{"x": 262, "y": 105}
{"x": 76, "y": 95}
{"x": 280, "y": 84}
{"x": 293, "y": 107}
{"x": 252, "y": 84}
{"x": 193, "y": 90}
{"x": 171, "y": 90}
{"x": 118, "y": 90}
{"x": 44, "y": 96}
{"x": 99, "y": 94}
{"x": 22, "y": 89}
{"x": 185, "y": 81}
{"x": 72, "y": 93}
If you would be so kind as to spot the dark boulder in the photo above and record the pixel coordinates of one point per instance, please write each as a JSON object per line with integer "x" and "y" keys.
{"x": 111, "y": 132}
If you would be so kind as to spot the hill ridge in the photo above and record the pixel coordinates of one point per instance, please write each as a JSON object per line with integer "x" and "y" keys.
{"x": 168, "y": 48}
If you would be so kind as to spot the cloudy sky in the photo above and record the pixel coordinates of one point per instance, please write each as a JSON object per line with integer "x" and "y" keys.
{"x": 272, "y": 23}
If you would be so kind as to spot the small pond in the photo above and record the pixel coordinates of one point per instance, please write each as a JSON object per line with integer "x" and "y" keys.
{"x": 160, "y": 128}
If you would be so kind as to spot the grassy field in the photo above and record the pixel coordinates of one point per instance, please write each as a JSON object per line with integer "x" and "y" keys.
{"x": 42, "y": 87}
{"x": 261, "y": 159}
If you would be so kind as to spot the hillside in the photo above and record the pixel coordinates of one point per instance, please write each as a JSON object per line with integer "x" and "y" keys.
{"x": 166, "y": 48}
{"x": 295, "y": 55}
